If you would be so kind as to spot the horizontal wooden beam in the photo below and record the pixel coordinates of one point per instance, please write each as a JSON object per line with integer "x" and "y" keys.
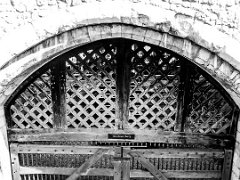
{"x": 110, "y": 172}
{"x": 60, "y": 149}
{"x": 150, "y": 136}
{"x": 180, "y": 153}
{"x": 148, "y": 153}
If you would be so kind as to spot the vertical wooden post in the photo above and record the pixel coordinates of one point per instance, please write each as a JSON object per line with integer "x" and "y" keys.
{"x": 227, "y": 164}
{"x": 235, "y": 119}
{"x": 15, "y": 161}
{"x": 123, "y": 80}
{"x": 58, "y": 88}
{"x": 126, "y": 164}
{"x": 183, "y": 96}
{"x": 126, "y": 170}
{"x": 117, "y": 170}
{"x": 117, "y": 164}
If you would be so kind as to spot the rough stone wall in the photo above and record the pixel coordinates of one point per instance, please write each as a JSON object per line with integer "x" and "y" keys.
{"x": 39, "y": 19}
{"x": 223, "y": 15}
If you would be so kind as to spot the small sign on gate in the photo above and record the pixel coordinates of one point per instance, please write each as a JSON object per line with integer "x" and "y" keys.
{"x": 121, "y": 136}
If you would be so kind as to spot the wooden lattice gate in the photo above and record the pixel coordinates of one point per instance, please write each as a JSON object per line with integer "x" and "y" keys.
{"x": 120, "y": 109}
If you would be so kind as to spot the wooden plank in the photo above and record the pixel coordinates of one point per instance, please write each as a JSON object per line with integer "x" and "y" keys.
{"x": 227, "y": 164}
{"x": 126, "y": 169}
{"x": 117, "y": 163}
{"x": 58, "y": 88}
{"x": 126, "y": 164}
{"x": 150, "y": 136}
{"x": 133, "y": 173}
{"x": 180, "y": 153}
{"x": 117, "y": 170}
{"x": 152, "y": 169}
{"x": 183, "y": 96}
{"x": 234, "y": 121}
{"x": 61, "y": 149}
{"x": 84, "y": 167}
{"x": 15, "y": 161}
{"x": 149, "y": 153}
{"x": 179, "y": 174}
{"x": 65, "y": 171}
{"x": 122, "y": 88}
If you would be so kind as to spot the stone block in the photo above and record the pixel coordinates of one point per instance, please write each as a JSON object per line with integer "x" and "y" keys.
{"x": 127, "y": 31}
{"x": 187, "y": 48}
{"x": 194, "y": 51}
{"x": 177, "y": 45}
{"x": 138, "y": 33}
{"x": 212, "y": 62}
{"x": 164, "y": 40}
{"x": 78, "y": 35}
{"x": 169, "y": 42}
{"x": 236, "y": 80}
{"x": 116, "y": 30}
{"x": 95, "y": 32}
{"x": 204, "y": 54}
{"x": 226, "y": 69}
{"x": 106, "y": 32}
{"x": 234, "y": 74}
{"x": 153, "y": 37}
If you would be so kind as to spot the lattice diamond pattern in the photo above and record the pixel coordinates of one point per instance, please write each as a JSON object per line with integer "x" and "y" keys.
{"x": 91, "y": 92}
{"x": 154, "y": 88}
{"x": 91, "y": 88}
{"x": 33, "y": 107}
{"x": 209, "y": 112}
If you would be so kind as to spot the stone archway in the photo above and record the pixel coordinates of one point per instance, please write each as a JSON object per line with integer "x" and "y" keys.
{"x": 28, "y": 63}
{"x": 177, "y": 30}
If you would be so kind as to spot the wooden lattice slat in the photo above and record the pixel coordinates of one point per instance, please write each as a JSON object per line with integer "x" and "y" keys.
{"x": 91, "y": 86}
{"x": 154, "y": 88}
{"x": 119, "y": 84}
{"x": 33, "y": 107}
{"x": 209, "y": 111}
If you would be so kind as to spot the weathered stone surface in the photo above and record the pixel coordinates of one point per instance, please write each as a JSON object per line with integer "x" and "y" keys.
{"x": 152, "y": 37}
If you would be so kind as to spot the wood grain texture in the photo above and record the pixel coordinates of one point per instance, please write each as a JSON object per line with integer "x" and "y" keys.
{"x": 151, "y": 168}
{"x": 84, "y": 167}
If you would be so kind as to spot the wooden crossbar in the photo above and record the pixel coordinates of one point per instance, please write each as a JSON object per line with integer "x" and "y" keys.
{"x": 151, "y": 168}
{"x": 85, "y": 166}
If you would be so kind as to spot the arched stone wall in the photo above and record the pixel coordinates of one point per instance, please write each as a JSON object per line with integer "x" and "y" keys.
{"x": 20, "y": 67}
{"x": 152, "y": 22}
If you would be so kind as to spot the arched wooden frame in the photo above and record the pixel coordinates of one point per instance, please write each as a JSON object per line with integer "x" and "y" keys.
{"x": 143, "y": 87}
{"x": 124, "y": 93}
